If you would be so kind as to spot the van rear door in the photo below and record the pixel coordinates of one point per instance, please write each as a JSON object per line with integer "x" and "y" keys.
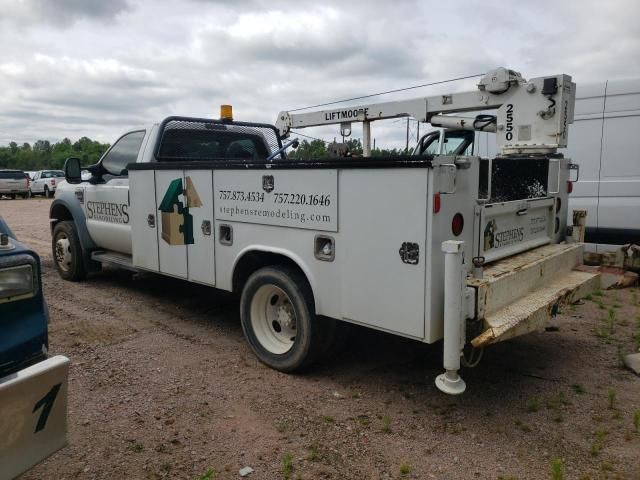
{"x": 619, "y": 193}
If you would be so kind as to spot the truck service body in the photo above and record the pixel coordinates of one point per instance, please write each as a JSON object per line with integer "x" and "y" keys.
{"x": 381, "y": 242}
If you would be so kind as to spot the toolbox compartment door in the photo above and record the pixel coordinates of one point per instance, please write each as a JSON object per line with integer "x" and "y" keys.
{"x": 201, "y": 252}
{"x": 144, "y": 219}
{"x": 172, "y": 222}
{"x": 381, "y": 250}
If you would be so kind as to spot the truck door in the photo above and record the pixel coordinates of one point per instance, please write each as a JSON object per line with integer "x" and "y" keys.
{"x": 36, "y": 183}
{"x": 106, "y": 203}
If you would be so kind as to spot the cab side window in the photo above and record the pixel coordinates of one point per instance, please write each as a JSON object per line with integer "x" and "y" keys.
{"x": 433, "y": 148}
{"x": 124, "y": 151}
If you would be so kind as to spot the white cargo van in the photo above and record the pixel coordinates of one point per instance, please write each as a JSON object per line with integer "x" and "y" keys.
{"x": 606, "y": 145}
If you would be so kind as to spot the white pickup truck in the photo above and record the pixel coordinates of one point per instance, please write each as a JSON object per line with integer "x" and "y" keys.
{"x": 386, "y": 243}
{"x": 44, "y": 182}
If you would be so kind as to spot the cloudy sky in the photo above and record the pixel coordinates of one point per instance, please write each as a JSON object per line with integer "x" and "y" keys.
{"x": 95, "y": 67}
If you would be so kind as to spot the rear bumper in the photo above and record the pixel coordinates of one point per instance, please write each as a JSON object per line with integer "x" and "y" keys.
{"x": 33, "y": 414}
{"x": 10, "y": 191}
{"x": 520, "y": 294}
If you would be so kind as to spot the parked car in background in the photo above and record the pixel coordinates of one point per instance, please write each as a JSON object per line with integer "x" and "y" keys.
{"x": 14, "y": 183}
{"x": 45, "y": 182}
{"x": 31, "y": 174}
{"x": 33, "y": 385}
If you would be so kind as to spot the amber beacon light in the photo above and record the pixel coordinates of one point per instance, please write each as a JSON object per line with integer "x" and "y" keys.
{"x": 226, "y": 112}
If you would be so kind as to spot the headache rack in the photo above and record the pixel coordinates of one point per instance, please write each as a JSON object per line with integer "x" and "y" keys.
{"x": 198, "y": 139}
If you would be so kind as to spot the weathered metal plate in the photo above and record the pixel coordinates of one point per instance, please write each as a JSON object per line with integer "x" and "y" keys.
{"x": 509, "y": 279}
{"x": 533, "y": 311}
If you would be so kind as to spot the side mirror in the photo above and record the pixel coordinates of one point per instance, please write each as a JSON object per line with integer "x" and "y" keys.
{"x": 72, "y": 170}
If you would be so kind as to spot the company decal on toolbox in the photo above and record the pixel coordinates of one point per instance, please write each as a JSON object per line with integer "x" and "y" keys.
{"x": 300, "y": 199}
{"x": 177, "y": 222}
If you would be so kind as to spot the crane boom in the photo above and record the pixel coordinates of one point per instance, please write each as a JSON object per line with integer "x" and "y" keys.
{"x": 532, "y": 116}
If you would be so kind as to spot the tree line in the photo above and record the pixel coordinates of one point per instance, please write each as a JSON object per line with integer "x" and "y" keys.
{"x": 43, "y": 155}
{"x": 321, "y": 149}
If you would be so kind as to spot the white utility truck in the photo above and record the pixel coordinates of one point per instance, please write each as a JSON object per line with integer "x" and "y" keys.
{"x": 471, "y": 250}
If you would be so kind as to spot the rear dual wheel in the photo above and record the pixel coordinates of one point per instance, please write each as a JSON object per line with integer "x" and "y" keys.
{"x": 279, "y": 321}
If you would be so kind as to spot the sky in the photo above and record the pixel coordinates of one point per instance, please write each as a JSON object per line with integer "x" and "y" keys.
{"x": 73, "y": 68}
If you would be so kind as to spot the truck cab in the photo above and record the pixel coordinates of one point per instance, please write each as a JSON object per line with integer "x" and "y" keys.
{"x": 97, "y": 210}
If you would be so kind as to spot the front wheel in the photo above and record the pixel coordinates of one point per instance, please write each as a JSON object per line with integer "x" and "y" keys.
{"x": 47, "y": 192}
{"x": 278, "y": 318}
{"x": 67, "y": 252}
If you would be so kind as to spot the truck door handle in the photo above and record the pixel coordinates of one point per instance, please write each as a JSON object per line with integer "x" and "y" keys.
{"x": 151, "y": 220}
{"x": 206, "y": 227}
{"x": 522, "y": 211}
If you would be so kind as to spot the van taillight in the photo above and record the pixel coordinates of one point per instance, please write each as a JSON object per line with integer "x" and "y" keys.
{"x": 436, "y": 203}
{"x": 457, "y": 224}
{"x": 569, "y": 187}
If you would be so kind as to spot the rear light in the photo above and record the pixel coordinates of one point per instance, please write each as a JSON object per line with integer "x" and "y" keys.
{"x": 436, "y": 203}
{"x": 457, "y": 224}
{"x": 53, "y": 181}
{"x": 569, "y": 187}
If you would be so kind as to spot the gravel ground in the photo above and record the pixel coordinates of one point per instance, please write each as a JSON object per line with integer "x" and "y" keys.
{"x": 162, "y": 385}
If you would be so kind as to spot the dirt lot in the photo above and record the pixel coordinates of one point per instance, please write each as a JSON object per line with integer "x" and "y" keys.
{"x": 163, "y": 386}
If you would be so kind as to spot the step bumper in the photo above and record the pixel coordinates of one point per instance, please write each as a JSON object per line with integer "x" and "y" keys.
{"x": 520, "y": 294}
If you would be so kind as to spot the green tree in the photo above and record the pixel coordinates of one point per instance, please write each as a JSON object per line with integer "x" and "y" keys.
{"x": 45, "y": 155}
{"x": 308, "y": 150}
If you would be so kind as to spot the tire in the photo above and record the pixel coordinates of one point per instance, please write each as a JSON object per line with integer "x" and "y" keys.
{"x": 46, "y": 192}
{"x": 26, "y": 195}
{"x": 13, "y": 196}
{"x": 278, "y": 319}
{"x": 67, "y": 252}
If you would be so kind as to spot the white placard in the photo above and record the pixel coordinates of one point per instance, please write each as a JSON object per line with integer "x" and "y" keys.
{"x": 288, "y": 198}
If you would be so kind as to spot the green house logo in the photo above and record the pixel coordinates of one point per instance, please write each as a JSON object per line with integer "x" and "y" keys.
{"x": 489, "y": 235}
{"x": 177, "y": 222}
